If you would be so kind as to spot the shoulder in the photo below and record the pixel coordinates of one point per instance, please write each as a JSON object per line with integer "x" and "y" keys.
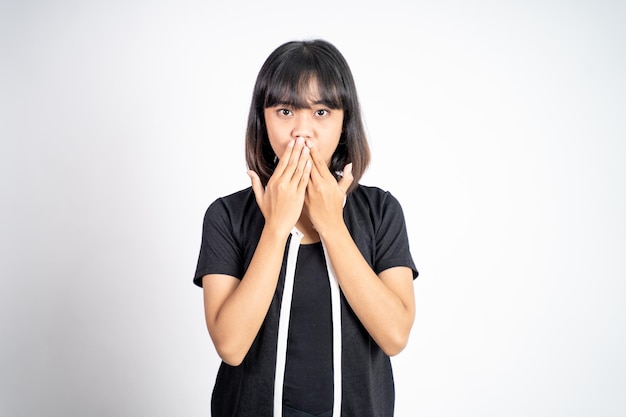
{"x": 237, "y": 201}
{"x": 234, "y": 208}
{"x": 372, "y": 208}
{"x": 371, "y": 198}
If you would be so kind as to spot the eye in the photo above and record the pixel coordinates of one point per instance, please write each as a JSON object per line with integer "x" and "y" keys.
{"x": 321, "y": 112}
{"x": 284, "y": 112}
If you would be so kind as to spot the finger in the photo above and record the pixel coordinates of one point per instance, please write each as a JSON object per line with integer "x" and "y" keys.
{"x": 318, "y": 160}
{"x": 294, "y": 158}
{"x": 284, "y": 159}
{"x": 257, "y": 187}
{"x": 302, "y": 162}
{"x": 316, "y": 175}
{"x": 306, "y": 175}
{"x": 318, "y": 168}
{"x": 346, "y": 178}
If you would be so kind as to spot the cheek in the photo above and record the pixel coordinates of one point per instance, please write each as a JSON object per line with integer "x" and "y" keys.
{"x": 277, "y": 142}
{"x": 274, "y": 137}
{"x": 329, "y": 150}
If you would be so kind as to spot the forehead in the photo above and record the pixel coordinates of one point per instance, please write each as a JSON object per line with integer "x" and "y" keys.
{"x": 303, "y": 91}
{"x": 308, "y": 94}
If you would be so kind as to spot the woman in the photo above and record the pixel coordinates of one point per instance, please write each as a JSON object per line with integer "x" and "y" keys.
{"x": 307, "y": 275}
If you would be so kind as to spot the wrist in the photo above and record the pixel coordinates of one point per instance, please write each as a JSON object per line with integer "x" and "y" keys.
{"x": 276, "y": 233}
{"x": 333, "y": 231}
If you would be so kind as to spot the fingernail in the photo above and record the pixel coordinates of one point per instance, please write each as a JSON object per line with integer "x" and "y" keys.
{"x": 300, "y": 139}
{"x": 309, "y": 143}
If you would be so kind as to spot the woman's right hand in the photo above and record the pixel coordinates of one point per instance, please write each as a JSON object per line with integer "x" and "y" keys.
{"x": 235, "y": 308}
{"x": 282, "y": 200}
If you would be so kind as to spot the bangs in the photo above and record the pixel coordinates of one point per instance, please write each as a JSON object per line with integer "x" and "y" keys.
{"x": 301, "y": 84}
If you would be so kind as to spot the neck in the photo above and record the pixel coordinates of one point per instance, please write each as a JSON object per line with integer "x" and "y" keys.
{"x": 306, "y": 227}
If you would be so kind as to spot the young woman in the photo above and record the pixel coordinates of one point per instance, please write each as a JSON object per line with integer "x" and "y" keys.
{"x": 307, "y": 275}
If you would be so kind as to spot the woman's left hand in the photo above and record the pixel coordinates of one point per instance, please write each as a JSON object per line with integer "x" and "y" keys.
{"x": 383, "y": 303}
{"x": 324, "y": 194}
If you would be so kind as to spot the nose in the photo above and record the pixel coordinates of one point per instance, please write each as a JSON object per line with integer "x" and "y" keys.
{"x": 302, "y": 126}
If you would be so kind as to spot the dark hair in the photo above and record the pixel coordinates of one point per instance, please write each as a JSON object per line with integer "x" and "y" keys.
{"x": 284, "y": 78}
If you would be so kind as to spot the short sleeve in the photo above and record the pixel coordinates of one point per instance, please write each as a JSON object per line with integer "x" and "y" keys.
{"x": 220, "y": 251}
{"x": 392, "y": 242}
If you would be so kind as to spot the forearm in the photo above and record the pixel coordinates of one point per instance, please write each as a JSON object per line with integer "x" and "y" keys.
{"x": 236, "y": 310}
{"x": 240, "y": 317}
{"x": 385, "y": 315}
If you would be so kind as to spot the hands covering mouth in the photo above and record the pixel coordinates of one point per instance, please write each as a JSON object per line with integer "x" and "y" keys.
{"x": 301, "y": 182}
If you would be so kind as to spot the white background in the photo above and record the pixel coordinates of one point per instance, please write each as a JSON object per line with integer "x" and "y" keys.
{"x": 498, "y": 125}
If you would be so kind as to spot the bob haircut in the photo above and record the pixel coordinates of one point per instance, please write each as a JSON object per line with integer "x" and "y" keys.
{"x": 285, "y": 78}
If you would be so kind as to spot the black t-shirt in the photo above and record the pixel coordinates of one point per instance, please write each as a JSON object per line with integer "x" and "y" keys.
{"x": 231, "y": 231}
{"x": 308, "y": 384}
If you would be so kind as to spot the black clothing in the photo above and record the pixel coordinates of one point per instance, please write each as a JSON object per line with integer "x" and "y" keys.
{"x": 232, "y": 228}
{"x": 308, "y": 382}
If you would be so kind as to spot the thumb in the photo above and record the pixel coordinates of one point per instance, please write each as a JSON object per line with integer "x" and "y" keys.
{"x": 346, "y": 178}
{"x": 257, "y": 187}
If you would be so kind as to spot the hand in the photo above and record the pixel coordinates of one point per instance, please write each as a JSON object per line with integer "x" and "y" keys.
{"x": 282, "y": 200}
{"x": 325, "y": 195}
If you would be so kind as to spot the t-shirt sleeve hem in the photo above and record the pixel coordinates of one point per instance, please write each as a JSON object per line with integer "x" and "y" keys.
{"x": 197, "y": 279}
{"x": 394, "y": 263}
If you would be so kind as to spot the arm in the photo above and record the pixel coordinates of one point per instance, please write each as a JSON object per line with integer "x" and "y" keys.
{"x": 235, "y": 310}
{"x": 383, "y": 303}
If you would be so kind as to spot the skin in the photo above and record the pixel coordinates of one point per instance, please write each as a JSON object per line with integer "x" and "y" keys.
{"x": 302, "y": 192}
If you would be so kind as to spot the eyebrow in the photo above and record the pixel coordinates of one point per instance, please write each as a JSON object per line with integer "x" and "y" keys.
{"x": 308, "y": 105}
